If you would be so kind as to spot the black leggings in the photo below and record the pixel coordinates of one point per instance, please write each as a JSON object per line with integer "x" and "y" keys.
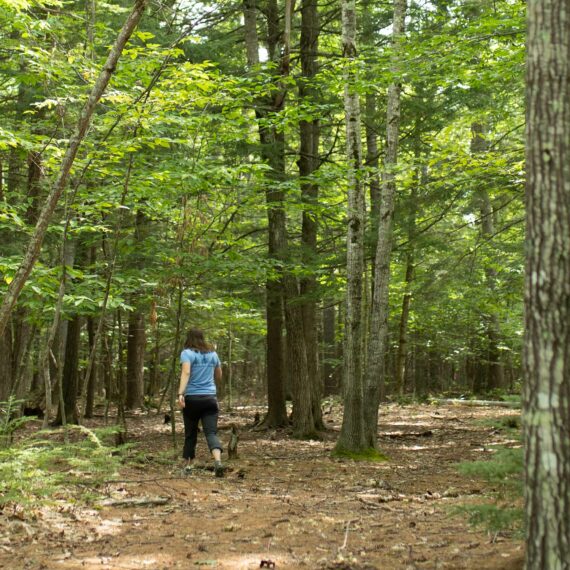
{"x": 198, "y": 408}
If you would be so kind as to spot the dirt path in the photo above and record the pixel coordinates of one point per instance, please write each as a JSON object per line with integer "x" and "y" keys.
{"x": 288, "y": 502}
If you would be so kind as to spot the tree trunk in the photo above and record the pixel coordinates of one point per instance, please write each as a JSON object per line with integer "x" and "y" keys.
{"x": 121, "y": 385}
{"x": 378, "y": 346}
{"x": 136, "y": 338}
{"x": 308, "y": 165}
{"x": 329, "y": 351}
{"x": 372, "y": 155}
{"x": 402, "y": 355}
{"x": 35, "y": 244}
{"x": 5, "y": 364}
{"x": 70, "y": 375}
{"x": 136, "y": 341}
{"x": 351, "y": 437}
{"x": 547, "y": 290}
{"x": 277, "y": 411}
{"x": 154, "y": 367}
{"x": 92, "y": 379}
{"x": 495, "y": 373}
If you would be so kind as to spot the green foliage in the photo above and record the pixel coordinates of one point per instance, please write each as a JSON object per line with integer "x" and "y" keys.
{"x": 494, "y": 518}
{"x": 176, "y": 139}
{"x": 505, "y": 473}
{"x": 10, "y": 420}
{"x": 45, "y": 468}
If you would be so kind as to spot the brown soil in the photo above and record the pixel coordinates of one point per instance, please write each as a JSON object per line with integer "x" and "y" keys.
{"x": 285, "y": 502}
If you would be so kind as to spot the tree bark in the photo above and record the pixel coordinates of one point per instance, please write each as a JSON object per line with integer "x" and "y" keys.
{"x": 136, "y": 342}
{"x": 378, "y": 348}
{"x": 308, "y": 165}
{"x": 70, "y": 375}
{"x": 35, "y": 244}
{"x": 351, "y": 437}
{"x": 92, "y": 377}
{"x": 329, "y": 351}
{"x": 547, "y": 289}
{"x": 275, "y": 374}
{"x": 136, "y": 337}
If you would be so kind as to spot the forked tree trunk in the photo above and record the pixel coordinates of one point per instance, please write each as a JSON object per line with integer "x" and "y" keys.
{"x": 547, "y": 288}
{"x": 378, "y": 345}
{"x": 351, "y": 437}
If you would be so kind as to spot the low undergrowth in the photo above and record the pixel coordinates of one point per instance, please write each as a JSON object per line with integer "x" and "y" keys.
{"x": 504, "y": 473}
{"x": 55, "y": 465}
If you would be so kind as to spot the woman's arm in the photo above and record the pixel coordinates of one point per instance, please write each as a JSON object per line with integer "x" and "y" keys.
{"x": 217, "y": 376}
{"x": 184, "y": 376}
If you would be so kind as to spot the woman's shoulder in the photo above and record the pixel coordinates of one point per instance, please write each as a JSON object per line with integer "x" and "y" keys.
{"x": 187, "y": 353}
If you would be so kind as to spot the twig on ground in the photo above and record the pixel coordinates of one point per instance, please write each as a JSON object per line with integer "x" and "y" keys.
{"x": 344, "y": 544}
{"x": 135, "y": 502}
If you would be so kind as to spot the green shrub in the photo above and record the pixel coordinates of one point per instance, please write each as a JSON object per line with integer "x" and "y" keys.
{"x": 505, "y": 473}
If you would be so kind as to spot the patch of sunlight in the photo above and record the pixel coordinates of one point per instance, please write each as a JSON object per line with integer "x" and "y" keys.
{"x": 124, "y": 562}
{"x": 252, "y": 560}
{"x": 408, "y": 423}
{"x": 109, "y": 526}
{"x": 425, "y": 447}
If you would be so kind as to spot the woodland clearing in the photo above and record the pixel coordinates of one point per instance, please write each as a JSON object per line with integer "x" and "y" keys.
{"x": 283, "y": 501}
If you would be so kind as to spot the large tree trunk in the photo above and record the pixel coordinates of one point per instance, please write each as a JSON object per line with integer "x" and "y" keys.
{"x": 547, "y": 298}
{"x": 494, "y": 366}
{"x": 277, "y": 411}
{"x": 378, "y": 345}
{"x": 35, "y": 244}
{"x": 351, "y": 437}
{"x": 308, "y": 165}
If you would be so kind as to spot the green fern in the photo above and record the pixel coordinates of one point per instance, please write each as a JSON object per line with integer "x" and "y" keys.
{"x": 44, "y": 467}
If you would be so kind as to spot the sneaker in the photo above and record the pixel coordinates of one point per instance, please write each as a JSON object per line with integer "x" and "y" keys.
{"x": 218, "y": 469}
{"x": 187, "y": 470}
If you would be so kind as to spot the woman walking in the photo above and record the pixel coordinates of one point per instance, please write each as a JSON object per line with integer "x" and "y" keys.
{"x": 201, "y": 369}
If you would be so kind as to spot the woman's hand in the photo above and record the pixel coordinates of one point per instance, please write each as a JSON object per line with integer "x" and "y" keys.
{"x": 181, "y": 400}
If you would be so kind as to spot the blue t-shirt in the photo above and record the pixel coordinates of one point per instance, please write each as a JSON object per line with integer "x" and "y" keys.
{"x": 202, "y": 366}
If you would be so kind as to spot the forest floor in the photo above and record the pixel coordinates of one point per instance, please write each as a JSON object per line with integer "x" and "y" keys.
{"x": 284, "y": 502}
